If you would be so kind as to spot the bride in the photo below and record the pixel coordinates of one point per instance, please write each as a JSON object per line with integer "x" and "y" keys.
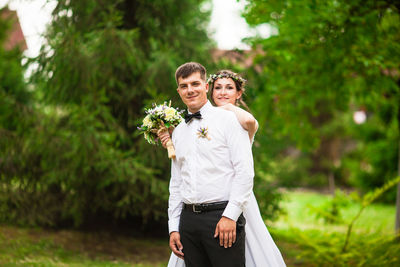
{"x": 226, "y": 90}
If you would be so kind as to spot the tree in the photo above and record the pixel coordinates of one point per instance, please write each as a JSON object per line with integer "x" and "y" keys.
{"x": 103, "y": 62}
{"x": 326, "y": 57}
{"x": 17, "y": 113}
{"x": 15, "y": 99}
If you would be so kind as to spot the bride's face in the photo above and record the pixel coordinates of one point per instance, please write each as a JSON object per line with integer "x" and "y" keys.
{"x": 225, "y": 92}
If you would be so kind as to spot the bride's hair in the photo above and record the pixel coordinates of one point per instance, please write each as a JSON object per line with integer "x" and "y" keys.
{"x": 239, "y": 83}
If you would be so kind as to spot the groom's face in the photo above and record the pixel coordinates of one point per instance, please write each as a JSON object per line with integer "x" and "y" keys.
{"x": 193, "y": 91}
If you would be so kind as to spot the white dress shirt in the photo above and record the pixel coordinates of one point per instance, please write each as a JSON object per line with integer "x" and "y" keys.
{"x": 212, "y": 169}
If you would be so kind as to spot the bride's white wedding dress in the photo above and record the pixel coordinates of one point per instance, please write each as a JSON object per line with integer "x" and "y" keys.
{"x": 261, "y": 250}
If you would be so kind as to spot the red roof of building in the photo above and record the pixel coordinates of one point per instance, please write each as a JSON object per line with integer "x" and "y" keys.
{"x": 16, "y": 36}
{"x": 244, "y": 58}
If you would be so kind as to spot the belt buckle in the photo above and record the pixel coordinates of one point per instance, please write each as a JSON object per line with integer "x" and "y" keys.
{"x": 194, "y": 209}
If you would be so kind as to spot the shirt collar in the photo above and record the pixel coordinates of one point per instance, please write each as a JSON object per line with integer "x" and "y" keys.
{"x": 204, "y": 109}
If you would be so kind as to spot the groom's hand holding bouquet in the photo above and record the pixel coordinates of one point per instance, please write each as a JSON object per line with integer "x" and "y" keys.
{"x": 159, "y": 120}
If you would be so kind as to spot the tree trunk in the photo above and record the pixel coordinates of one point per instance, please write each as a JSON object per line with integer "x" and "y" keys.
{"x": 331, "y": 179}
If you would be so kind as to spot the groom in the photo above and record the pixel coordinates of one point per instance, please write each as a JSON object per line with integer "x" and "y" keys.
{"x": 211, "y": 178}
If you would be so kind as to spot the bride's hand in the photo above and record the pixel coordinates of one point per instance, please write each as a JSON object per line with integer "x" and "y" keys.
{"x": 228, "y": 106}
{"x": 164, "y": 137}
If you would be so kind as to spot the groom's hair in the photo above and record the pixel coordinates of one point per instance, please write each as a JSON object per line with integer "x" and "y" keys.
{"x": 188, "y": 69}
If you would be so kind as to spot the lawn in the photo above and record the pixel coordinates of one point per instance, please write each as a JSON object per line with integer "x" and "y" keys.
{"x": 305, "y": 240}
{"x": 375, "y": 218}
{"x": 293, "y": 234}
{"x": 39, "y": 247}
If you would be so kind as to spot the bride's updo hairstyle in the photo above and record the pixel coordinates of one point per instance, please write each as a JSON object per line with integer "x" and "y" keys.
{"x": 239, "y": 83}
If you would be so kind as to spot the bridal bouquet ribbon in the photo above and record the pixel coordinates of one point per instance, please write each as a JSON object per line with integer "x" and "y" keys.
{"x": 157, "y": 120}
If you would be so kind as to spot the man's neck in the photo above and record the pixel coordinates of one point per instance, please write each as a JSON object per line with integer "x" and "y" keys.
{"x": 196, "y": 109}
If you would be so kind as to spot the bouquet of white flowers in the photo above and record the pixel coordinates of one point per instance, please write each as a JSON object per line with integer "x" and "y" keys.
{"x": 157, "y": 120}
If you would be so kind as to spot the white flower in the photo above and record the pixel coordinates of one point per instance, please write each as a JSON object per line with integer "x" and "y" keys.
{"x": 147, "y": 121}
{"x": 169, "y": 113}
{"x": 158, "y": 109}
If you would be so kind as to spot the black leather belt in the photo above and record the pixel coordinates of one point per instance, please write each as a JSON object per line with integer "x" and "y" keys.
{"x": 199, "y": 208}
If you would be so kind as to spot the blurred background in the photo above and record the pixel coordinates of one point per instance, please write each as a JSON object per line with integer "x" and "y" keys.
{"x": 80, "y": 186}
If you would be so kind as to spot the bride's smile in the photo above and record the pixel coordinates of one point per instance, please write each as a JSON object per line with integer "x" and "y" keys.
{"x": 225, "y": 92}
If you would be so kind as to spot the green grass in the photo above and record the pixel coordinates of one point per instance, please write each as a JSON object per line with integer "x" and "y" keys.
{"x": 303, "y": 240}
{"x": 38, "y": 247}
{"x": 307, "y": 241}
{"x": 376, "y": 218}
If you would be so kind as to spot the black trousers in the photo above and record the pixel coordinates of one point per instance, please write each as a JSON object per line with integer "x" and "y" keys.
{"x": 200, "y": 247}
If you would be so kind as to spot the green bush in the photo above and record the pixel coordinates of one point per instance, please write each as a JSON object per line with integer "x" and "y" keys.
{"x": 325, "y": 249}
{"x": 327, "y": 59}
{"x": 73, "y": 157}
{"x": 374, "y": 161}
{"x": 332, "y": 248}
{"x": 330, "y": 211}
{"x": 68, "y": 169}
{"x": 78, "y": 159}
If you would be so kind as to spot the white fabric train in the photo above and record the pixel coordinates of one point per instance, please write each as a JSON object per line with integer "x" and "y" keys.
{"x": 261, "y": 250}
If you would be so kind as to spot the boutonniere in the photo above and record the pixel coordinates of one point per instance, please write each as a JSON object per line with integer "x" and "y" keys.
{"x": 202, "y": 132}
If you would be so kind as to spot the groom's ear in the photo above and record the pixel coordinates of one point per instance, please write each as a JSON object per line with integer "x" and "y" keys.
{"x": 207, "y": 87}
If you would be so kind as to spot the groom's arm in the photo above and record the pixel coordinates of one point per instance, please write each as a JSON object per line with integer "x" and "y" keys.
{"x": 174, "y": 209}
{"x": 241, "y": 158}
{"x": 175, "y": 199}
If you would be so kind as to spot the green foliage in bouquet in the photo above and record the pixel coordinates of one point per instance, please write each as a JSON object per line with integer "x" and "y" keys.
{"x": 160, "y": 116}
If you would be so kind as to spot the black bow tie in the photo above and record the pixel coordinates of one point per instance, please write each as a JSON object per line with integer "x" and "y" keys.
{"x": 189, "y": 117}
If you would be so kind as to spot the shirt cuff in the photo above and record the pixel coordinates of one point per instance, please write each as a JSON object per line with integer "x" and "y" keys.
{"x": 173, "y": 225}
{"x": 232, "y": 211}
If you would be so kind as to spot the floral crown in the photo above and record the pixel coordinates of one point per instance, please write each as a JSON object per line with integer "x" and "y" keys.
{"x": 234, "y": 76}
